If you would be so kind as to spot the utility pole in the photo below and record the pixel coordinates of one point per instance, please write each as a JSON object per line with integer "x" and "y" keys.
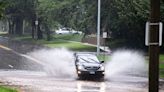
{"x": 154, "y": 46}
{"x": 98, "y": 27}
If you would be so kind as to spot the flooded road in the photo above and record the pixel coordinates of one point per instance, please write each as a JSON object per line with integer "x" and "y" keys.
{"x": 34, "y": 81}
{"x": 11, "y": 55}
{"x": 28, "y": 73}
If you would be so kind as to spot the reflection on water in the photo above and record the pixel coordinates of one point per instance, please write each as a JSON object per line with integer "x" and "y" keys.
{"x": 89, "y": 87}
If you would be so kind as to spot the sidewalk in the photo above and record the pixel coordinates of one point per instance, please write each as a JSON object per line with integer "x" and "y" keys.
{"x": 103, "y": 48}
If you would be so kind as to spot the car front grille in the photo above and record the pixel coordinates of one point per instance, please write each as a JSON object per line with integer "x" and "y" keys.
{"x": 92, "y": 68}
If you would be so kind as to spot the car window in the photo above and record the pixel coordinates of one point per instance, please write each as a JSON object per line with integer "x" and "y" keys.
{"x": 88, "y": 59}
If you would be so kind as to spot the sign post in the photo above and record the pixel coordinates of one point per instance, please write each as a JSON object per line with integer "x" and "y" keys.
{"x": 154, "y": 40}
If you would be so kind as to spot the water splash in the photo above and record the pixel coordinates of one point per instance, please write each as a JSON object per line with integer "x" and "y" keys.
{"x": 126, "y": 62}
{"x": 56, "y": 62}
{"x": 60, "y": 63}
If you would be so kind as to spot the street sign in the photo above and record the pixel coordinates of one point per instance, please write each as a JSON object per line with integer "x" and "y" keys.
{"x": 36, "y": 22}
{"x": 105, "y": 35}
{"x": 147, "y": 32}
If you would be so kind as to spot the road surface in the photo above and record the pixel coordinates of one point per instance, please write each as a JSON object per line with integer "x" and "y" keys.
{"x": 17, "y": 69}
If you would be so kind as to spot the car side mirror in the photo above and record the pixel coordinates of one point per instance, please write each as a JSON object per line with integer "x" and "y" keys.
{"x": 102, "y": 61}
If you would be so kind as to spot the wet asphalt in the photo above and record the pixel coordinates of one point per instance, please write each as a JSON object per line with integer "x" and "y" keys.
{"x": 10, "y": 55}
{"x": 28, "y": 76}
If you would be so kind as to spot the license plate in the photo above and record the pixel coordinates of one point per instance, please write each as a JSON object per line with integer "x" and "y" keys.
{"x": 92, "y": 72}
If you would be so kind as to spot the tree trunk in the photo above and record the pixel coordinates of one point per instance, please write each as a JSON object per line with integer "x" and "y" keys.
{"x": 24, "y": 24}
{"x": 10, "y": 27}
{"x": 33, "y": 28}
{"x": 48, "y": 33}
{"x": 19, "y": 26}
{"x": 39, "y": 32}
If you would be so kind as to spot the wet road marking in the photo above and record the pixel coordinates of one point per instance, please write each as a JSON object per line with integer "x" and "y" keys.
{"x": 4, "y": 47}
{"x": 22, "y": 55}
{"x": 31, "y": 58}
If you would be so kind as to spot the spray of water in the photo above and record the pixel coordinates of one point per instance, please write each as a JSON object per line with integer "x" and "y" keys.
{"x": 126, "y": 62}
{"x": 56, "y": 62}
{"x": 60, "y": 63}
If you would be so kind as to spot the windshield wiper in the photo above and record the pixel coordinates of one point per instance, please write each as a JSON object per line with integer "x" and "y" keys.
{"x": 85, "y": 60}
{"x": 93, "y": 60}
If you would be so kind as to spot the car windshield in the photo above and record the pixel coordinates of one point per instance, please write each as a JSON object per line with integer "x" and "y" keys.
{"x": 88, "y": 59}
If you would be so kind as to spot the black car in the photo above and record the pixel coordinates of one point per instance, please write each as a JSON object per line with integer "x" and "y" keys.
{"x": 88, "y": 64}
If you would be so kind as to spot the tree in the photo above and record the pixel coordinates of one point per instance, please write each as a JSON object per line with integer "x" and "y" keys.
{"x": 2, "y": 8}
{"x": 126, "y": 20}
{"x": 16, "y": 12}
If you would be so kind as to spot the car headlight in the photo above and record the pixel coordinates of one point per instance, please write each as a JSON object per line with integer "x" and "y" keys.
{"x": 102, "y": 68}
{"x": 80, "y": 67}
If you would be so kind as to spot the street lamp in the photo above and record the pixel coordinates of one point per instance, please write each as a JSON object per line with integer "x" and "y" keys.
{"x": 98, "y": 27}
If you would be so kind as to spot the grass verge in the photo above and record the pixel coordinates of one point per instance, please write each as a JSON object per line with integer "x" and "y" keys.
{"x": 6, "y": 89}
{"x": 161, "y": 66}
{"x": 161, "y": 70}
{"x": 103, "y": 57}
{"x": 71, "y": 43}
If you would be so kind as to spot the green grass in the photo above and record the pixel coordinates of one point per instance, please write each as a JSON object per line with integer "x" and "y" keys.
{"x": 103, "y": 57}
{"x": 6, "y": 89}
{"x": 161, "y": 66}
{"x": 67, "y": 37}
{"x": 68, "y": 41}
{"x": 161, "y": 69}
{"x": 161, "y": 58}
{"x": 70, "y": 37}
{"x": 72, "y": 46}
{"x": 3, "y": 33}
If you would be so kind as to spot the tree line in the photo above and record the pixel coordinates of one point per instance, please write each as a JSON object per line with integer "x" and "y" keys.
{"x": 124, "y": 20}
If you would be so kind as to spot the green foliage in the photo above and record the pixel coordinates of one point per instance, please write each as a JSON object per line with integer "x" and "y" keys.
{"x": 16, "y": 11}
{"x": 125, "y": 19}
{"x": 21, "y": 8}
{"x": 2, "y": 8}
{"x": 75, "y": 14}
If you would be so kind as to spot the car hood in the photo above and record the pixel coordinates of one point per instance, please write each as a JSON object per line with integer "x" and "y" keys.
{"x": 91, "y": 65}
